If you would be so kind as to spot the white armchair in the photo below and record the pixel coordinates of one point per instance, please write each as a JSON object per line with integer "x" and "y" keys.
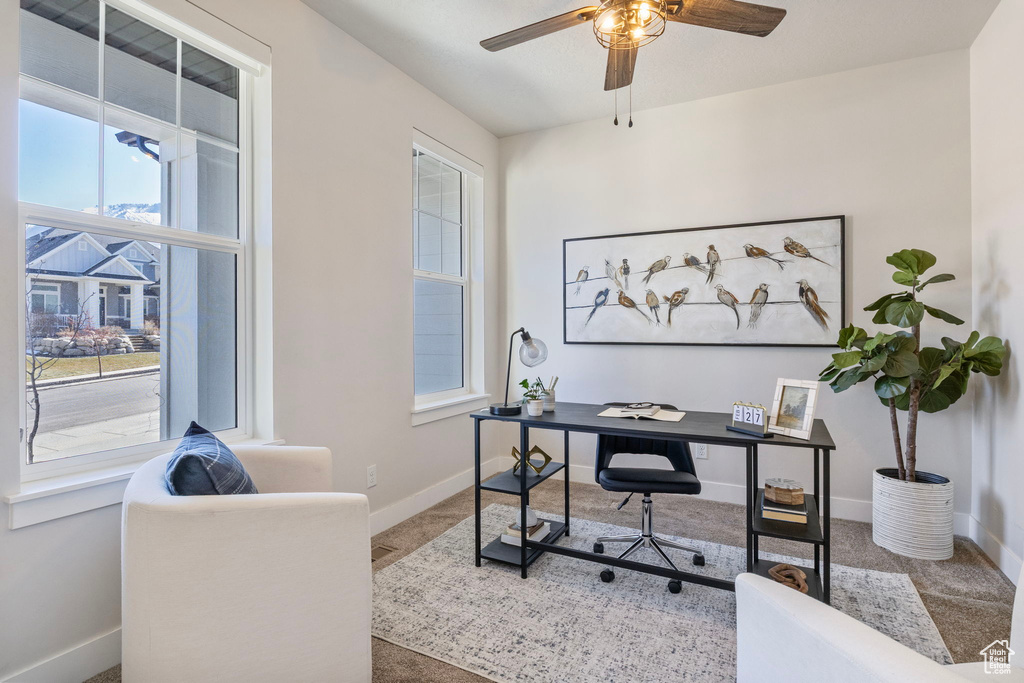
{"x": 783, "y": 635}
{"x": 273, "y": 586}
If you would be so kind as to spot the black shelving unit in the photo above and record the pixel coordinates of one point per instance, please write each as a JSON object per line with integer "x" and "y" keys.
{"x": 815, "y": 532}
{"x": 516, "y": 484}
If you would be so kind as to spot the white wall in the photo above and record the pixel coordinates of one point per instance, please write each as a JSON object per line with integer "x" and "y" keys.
{"x": 888, "y": 146}
{"x": 343, "y": 124}
{"x": 997, "y": 141}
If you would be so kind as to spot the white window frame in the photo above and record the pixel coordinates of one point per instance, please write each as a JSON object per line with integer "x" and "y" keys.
{"x": 54, "y": 292}
{"x": 242, "y": 247}
{"x": 470, "y": 396}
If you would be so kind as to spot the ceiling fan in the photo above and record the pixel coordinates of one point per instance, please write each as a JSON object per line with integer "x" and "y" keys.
{"x": 623, "y": 26}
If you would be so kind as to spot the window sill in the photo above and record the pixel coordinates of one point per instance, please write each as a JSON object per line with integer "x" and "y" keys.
{"x": 62, "y": 496}
{"x": 450, "y": 407}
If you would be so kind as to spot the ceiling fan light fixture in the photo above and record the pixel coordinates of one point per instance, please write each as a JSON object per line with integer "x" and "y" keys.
{"x": 629, "y": 24}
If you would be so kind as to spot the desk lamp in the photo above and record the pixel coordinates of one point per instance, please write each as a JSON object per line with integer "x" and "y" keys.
{"x": 532, "y": 353}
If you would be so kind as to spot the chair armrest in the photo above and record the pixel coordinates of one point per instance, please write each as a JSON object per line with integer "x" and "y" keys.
{"x": 247, "y": 587}
{"x": 783, "y": 635}
{"x": 284, "y": 469}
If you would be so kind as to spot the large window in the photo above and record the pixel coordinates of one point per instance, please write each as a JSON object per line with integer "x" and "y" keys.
{"x": 439, "y": 282}
{"x": 132, "y": 168}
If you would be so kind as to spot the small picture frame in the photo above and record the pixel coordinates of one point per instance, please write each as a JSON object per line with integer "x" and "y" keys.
{"x": 793, "y": 408}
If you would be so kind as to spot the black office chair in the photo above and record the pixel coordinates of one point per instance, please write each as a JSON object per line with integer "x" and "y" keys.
{"x": 682, "y": 478}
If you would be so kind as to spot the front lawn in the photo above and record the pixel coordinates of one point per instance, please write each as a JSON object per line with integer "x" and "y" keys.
{"x": 88, "y": 365}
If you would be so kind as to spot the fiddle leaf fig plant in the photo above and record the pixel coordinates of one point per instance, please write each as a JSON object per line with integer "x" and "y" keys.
{"x": 905, "y": 376}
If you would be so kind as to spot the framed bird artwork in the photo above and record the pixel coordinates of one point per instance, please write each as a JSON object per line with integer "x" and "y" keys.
{"x": 774, "y": 283}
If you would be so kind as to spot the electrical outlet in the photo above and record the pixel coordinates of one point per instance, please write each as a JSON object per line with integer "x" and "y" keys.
{"x": 700, "y": 451}
{"x": 371, "y": 476}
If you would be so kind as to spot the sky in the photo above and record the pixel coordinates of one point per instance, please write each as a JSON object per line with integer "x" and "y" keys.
{"x": 59, "y": 162}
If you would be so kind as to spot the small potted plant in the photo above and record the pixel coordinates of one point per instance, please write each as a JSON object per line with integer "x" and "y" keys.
{"x": 912, "y": 511}
{"x": 533, "y": 397}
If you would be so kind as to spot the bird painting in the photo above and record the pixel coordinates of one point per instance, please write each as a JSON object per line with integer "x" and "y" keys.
{"x": 692, "y": 261}
{"x": 624, "y": 272}
{"x": 757, "y": 302}
{"x": 800, "y": 251}
{"x": 626, "y": 302}
{"x": 654, "y": 305}
{"x": 581, "y": 277}
{"x": 675, "y": 301}
{"x": 727, "y": 298}
{"x": 714, "y": 262}
{"x": 657, "y": 267}
{"x": 758, "y": 252}
{"x": 610, "y": 272}
{"x": 809, "y": 298}
{"x": 600, "y": 300}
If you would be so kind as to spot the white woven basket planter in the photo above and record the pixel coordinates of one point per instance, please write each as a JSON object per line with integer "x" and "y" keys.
{"x": 914, "y": 519}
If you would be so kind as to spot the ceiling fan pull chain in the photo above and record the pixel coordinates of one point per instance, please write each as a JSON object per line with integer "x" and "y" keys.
{"x": 630, "y": 105}
{"x": 616, "y": 95}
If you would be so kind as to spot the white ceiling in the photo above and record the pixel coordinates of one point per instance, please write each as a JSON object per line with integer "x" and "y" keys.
{"x": 559, "y": 79}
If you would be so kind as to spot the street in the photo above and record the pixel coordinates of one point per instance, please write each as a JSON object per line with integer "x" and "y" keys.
{"x": 74, "y": 405}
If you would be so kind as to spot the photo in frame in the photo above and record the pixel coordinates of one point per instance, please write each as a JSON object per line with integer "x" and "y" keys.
{"x": 776, "y": 283}
{"x": 793, "y": 408}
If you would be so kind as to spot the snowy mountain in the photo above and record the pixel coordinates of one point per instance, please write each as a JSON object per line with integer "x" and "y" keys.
{"x": 143, "y": 213}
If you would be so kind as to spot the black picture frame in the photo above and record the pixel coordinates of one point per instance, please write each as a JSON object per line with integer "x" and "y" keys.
{"x": 567, "y": 283}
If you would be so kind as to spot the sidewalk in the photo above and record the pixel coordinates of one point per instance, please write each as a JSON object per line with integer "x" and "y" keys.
{"x": 117, "y": 432}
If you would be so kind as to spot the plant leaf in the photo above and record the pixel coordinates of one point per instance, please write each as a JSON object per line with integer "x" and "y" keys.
{"x": 944, "y": 277}
{"x": 942, "y": 315}
{"x": 902, "y": 364}
{"x": 901, "y": 277}
{"x": 930, "y": 359}
{"x": 925, "y": 260}
{"x": 934, "y": 400}
{"x": 829, "y": 374}
{"x": 875, "y": 363}
{"x": 870, "y": 344}
{"x": 881, "y": 302}
{"x": 846, "y": 359}
{"x": 903, "y": 260}
{"x": 904, "y": 313}
{"x": 891, "y": 387}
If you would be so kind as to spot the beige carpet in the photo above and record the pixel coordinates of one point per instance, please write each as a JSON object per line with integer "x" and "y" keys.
{"x": 969, "y": 599}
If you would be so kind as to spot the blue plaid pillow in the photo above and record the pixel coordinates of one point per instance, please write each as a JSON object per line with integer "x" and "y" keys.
{"x": 203, "y": 466}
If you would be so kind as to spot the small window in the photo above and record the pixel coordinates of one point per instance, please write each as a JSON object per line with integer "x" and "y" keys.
{"x": 439, "y": 282}
{"x": 133, "y": 253}
{"x": 82, "y": 246}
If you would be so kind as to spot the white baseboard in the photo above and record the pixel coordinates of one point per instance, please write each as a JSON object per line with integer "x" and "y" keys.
{"x": 385, "y": 518}
{"x": 842, "y": 508}
{"x": 1007, "y": 561}
{"x": 77, "y": 664}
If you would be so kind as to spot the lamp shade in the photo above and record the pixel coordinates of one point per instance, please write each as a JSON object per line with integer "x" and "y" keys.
{"x": 533, "y": 351}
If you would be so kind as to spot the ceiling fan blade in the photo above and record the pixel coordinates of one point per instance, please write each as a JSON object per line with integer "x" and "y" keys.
{"x": 620, "y": 68}
{"x": 541, "y": 28}
{"x": 727, "y": 15}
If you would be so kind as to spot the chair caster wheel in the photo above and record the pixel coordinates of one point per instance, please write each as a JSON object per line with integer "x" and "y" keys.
{"x": 698, "y": 560}
{"x": 599, "y": 548}
{"x": 607, "y": 576}
{"x": 675, "y": 586}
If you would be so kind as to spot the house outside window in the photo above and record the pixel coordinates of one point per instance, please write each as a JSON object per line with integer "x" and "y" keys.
{"x": 133, "y": 164}
{"x": 447, "y": 290}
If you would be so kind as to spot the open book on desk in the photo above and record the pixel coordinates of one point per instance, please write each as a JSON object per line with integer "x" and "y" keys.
{"x": 662, "y": 415}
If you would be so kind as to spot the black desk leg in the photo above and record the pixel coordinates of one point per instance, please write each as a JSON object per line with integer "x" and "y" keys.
{"x": 751, "y": 492}
{"x": 567, "y": 483}
{"x": 757, "y": 485}
{"x": 827, "y": 504}
{"x": 524, "y": 449}
{"x": 817, "y": 506}
{"x": 476, "y": 446}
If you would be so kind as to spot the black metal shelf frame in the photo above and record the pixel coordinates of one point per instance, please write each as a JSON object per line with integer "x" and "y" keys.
{"x": 705, "y": 429}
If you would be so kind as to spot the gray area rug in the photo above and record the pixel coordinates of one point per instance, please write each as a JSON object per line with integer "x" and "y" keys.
{"x": 564, "y": 624}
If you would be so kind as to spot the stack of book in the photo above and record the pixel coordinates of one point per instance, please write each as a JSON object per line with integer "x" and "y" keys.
{"x": 796, "y": 514}
{"x": 537, "y": 532}
{"x": 650, "y": 411}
